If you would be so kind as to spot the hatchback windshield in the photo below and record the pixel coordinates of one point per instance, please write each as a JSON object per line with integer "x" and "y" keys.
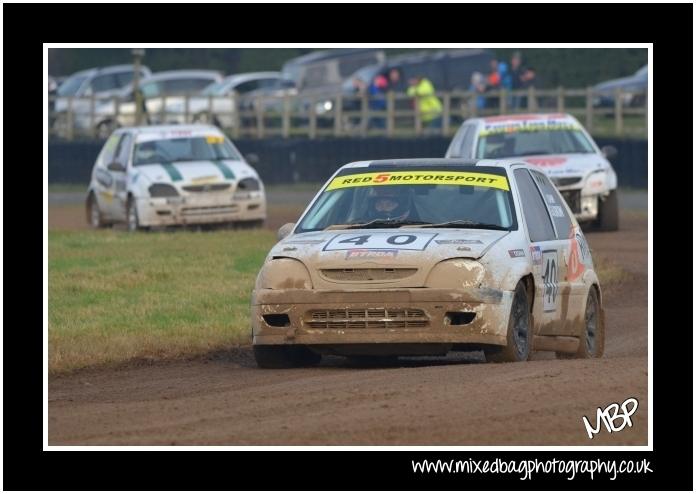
{"x": 462, "y": 197}
{"x": 531, "y": 141}
{"x": 184, "y": 149}
{"x": 71, "y": 86}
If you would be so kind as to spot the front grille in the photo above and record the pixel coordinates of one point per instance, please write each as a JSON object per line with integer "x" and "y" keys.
{"x": 572, "y": 197}
{"x": 206, "y": 187}
{"x": 367, "y": 318}
{"x": 565, "y": 181}
{"x": 374, "y": 274}
{"x": 209, "y": 210}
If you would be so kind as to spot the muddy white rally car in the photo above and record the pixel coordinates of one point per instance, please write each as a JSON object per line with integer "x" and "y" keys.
{"x": 173, "y": 175}
{"x": 560, "y": 145}
{"x": 420, "y": 257}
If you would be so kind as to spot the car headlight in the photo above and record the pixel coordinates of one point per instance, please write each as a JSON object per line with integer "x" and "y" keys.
{"x": 596, "y": 182}
{"x": 283, "y": 274}
{"x": 162, "y": 190}
{"x": 456, "y": 273}
{"x": 248, "y": 184}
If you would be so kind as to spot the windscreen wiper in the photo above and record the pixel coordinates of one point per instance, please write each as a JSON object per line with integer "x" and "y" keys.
{"x": 466, "y": 224}
{"x": 377, "y": 223}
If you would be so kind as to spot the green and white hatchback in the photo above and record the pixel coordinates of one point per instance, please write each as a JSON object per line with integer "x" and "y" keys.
{"x": 173, "y": 175}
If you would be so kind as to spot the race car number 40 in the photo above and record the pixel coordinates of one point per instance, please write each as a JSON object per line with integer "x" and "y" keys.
{"x": 403, "y": 241}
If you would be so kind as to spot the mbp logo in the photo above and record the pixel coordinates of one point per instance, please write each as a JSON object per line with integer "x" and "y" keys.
{"x": 610, "y": 415}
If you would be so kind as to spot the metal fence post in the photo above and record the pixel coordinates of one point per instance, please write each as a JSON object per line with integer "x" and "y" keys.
{"x": 70, "y": 134}
{"x": 338, "y": 115}
{"x": 589, "y": 108}
{"x": 618, "y": 111}
{"x": 390, "y": 113}
{"x": 560, "y": 100}
{"x": 163, "y": 110}
{"x": 259, "y": 117}
{"x": 91, "y": 113}
{"x": 531, "y": 99}
{"x": 236, "y": 120}
{"x": 312, "y": 119}
{"x": 446, "y": 101}
{"x": 186, "y": 108}
{"x": 286, "y": 116}
{"x": 502, "y": 102}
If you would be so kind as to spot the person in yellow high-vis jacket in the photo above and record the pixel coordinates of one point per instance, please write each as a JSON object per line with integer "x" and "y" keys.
{"x": 427, "y": 104}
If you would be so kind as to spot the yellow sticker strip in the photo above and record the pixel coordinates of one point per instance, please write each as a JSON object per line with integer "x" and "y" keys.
{"x": 215, "y": 139}
{"x": 420, "y": 178}
{"x": 528, "y": 127}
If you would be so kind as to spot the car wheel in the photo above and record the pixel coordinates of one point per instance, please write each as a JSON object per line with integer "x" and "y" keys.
{"x": 608, "y": 218}
{"x": 132, "y": 219}
{"x": 284, "y": 356}
{"x": 592, "y": 337}
{"x": 94, "y": 215}
{"x": 519, "y": 333}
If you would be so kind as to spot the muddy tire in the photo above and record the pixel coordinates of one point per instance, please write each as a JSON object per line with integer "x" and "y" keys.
{"x": 592, "y": 337}
{"x": 132, "y": 219}
{"x": 284, "y": 356}
{"x": 608, "y": 217}
{"x": 95, "y": 219}
{"x": 519, "y": 333}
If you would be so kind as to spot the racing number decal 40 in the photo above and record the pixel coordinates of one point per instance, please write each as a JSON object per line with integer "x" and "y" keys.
{"x": 375, "y": 241}
{"x": 549, "y": 267}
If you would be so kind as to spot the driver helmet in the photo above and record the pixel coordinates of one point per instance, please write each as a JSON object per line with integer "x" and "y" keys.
{"x": 389, "y": 203}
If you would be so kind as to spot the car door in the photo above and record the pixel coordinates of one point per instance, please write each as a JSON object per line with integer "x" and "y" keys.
{"x": 546, "y": 251}
{"x": 122, "y": 158}
{"x": 104, "y": 179}
{"x": 573, "y": 253}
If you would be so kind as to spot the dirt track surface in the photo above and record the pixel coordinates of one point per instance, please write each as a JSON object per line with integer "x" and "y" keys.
{"x": 224, "y": 399}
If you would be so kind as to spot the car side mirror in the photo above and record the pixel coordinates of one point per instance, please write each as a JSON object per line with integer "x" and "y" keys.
{"x": 609, "y": 152}
{"x": 285, "y": 230}
{"x": 251, "y": 158}
{"x": 115, "y": 166}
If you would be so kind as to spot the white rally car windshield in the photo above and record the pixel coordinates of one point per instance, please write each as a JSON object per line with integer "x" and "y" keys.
{"x": 470, "y": 197}
{"x": 507, "y": 142}
{"x": 201, "y": 148}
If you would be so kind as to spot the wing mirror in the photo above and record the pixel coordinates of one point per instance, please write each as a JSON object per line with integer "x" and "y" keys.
{"x": 609, "y": 152}
{"x": 285, "y": 230}
{"x": 115, "y": 166}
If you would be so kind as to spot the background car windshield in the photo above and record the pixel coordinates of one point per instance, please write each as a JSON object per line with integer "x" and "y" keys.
{"x": 424, "y": 203}
{"x": 184, "y": 149}
{"x": 523, "y": 143}
{"x": 71, "y": 86}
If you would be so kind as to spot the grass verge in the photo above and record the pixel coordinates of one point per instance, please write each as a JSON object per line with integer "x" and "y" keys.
{"x": 114, "y": 297}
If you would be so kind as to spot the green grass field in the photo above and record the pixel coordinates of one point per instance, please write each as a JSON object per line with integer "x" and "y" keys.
{"x": 113, "y": 296}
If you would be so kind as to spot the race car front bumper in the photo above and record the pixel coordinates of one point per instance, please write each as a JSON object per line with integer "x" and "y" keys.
{"x": 187, "y": 211}
{"x": 413, "y": 315}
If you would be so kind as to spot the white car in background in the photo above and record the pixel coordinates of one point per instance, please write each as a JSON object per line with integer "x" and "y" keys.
{"x": 173, "y": 175}
{"x": 560, "y": 145}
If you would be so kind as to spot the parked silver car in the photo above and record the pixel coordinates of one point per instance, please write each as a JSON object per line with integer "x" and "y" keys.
{"x": 74, "y": 96}
{"x": 163, "y": 95}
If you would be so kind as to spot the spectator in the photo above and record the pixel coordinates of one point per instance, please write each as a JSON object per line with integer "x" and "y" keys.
{"x": 394, "y": 80}
{"x": 378, "y": 102}
{"x": 478, "y": 86}
{"x": 427, "y": 103}
{"x": 493, "y": 84}
{"x": 522, "y": 78}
